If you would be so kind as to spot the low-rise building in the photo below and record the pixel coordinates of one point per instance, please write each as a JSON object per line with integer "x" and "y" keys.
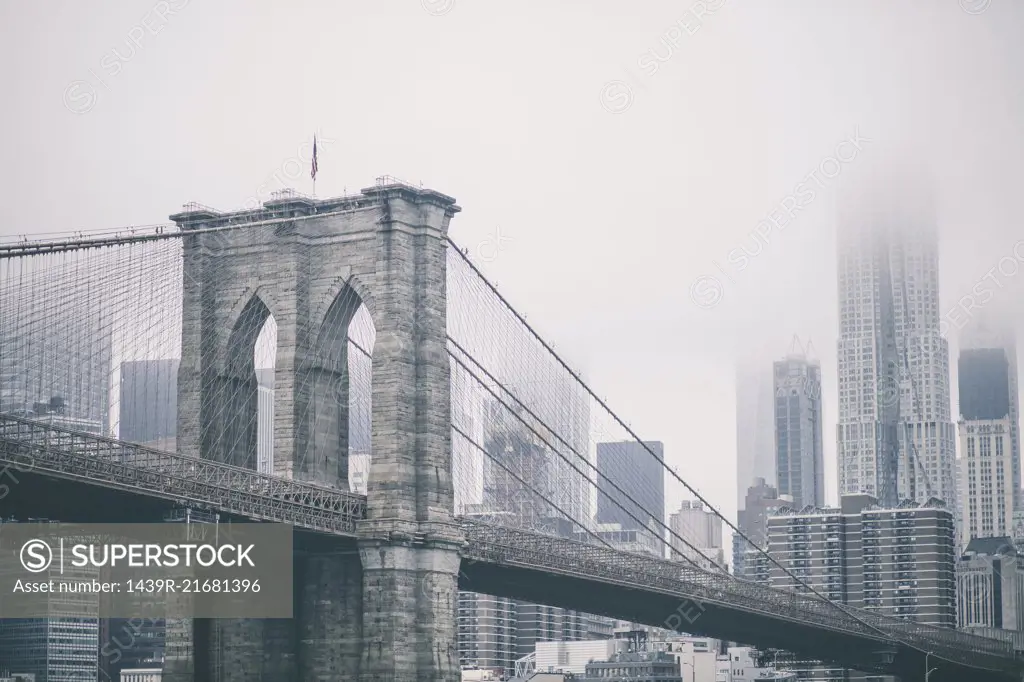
{"x": 641, "y": 666}
{"x": 573, "y": 657}
{"x": 990, "y": 586}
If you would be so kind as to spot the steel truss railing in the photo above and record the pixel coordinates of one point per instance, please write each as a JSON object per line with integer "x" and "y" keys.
{"x": 29, "y": 445}
{"x": 532, "y": 550}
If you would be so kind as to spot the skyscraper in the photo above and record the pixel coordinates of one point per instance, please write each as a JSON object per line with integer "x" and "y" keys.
{"x": 987, "y": 471}
{"x": 799, "y": 453}
{"x": 895, "y": 436}
{"x": 755, "y": 430}
{"x": 640, "y": 476}
{"x": 148, "y": 400}
{"x": 987, "y": 384}
{"x": 63, "y": 648}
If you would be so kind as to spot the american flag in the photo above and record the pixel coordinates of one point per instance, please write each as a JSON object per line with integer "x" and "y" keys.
{"x": 313, "y": 169}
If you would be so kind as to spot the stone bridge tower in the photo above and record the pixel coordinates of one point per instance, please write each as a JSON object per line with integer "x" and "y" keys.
{"x": 384, "y": 611}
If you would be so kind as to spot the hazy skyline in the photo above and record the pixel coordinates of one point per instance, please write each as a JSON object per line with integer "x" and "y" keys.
{"x": 606, "y": 157}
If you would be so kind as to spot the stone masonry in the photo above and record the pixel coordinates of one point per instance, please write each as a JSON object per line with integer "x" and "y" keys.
{"x": 387, "y": 612}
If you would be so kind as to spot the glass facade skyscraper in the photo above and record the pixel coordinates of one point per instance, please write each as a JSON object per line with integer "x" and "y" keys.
{"x": 641, "y": 476}
{"x": 799, "y": 451}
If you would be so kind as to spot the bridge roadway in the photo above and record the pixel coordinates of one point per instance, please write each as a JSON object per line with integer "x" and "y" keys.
{"x": 53, "y": 465}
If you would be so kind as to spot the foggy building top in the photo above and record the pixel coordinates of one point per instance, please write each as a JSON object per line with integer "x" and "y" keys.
{"x": 895, "y": 435}
{"x": 984, "y": 382}
{"x": 755, "y": 422}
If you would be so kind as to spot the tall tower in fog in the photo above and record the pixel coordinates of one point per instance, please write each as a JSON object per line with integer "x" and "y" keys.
{"x": 799, "y": 451}
{"x": 895, "y": 436}
{"x": 755, "y": 420}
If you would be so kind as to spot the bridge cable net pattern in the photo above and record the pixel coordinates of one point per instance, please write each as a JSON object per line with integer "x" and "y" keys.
{"x": 90, "y": 342}
{"x": 530, "y": 437}
{"x": 526, "y": 430}
{"x": 100, "y": 328}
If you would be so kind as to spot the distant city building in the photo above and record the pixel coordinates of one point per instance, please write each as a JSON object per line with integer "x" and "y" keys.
{"x": 745, "y": 664}
{"x": 265, "y": 420}
{"x": 959, "y": 471}
{"x": 521, "y": 480}
{"x": 990, "y": 586}
{"x": 358, "y": 472}
{"x": 58, "y": 344}
{"x": 63, "y": 649}
{"x": 360, "y": 393}
{"x": 641, "y": 476}
{"x": 989, "y": 465}
{"x": 573, "y": 657}
{"x": 130, "y": 644}
{"x": 755, "y": 427}
{"x": 559, "y": 405}
{"x": 896, "y": 561}
{"x": 695, "y": 656}
{"x": 896, "y": 439}
{"x": 148, "y": 401}
{"x": 795, "y": 667}
{"x": 142, "y": 675}
{"x": 988, "y": 383}
{"x": 634, "y": 667}
{"x": 526, "y": 490}
{"x": 762, "y": 500}
{"x": 630, "y": 540}
{"x": 1018, "y": 526}
{"x": 702, "y": 529}
{"x": 542, "y": 623}
{"x": 799, "y": 450}
{"x": 55, "y": 649}
{"x": 487, "y": 631}
{"x": 986, "y": 468}
{"x": 57, "y": 414}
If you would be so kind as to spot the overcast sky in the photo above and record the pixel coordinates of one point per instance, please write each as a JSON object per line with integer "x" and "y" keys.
{"x": 620, "y": 151}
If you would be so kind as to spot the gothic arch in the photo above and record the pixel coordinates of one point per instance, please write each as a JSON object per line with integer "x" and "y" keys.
{"x": 324, "y": 392}
{"x": 337, "y": 287}
{"x": 251, "y": 309}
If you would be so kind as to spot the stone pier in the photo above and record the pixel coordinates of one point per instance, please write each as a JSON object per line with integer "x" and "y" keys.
{"x": 385, "y": 611}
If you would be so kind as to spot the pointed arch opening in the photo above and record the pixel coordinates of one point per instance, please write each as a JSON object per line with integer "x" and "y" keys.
{"x": 239, "y": 427}
{"x": 336, "y": 389}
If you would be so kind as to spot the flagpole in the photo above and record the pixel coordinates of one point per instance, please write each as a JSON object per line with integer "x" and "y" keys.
{"x": 314, "y": 166}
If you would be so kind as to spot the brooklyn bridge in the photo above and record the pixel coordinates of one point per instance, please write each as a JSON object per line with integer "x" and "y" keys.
{"x": 479, "y": 474}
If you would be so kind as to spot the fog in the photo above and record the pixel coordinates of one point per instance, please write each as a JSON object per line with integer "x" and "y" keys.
{"x": 610, "y": 157}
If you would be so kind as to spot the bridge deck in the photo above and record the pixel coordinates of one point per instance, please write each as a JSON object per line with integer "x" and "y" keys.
{"x": 29, "y": 445}
{"x": 43, "y": 449}
{"x": 534, "y": 551}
